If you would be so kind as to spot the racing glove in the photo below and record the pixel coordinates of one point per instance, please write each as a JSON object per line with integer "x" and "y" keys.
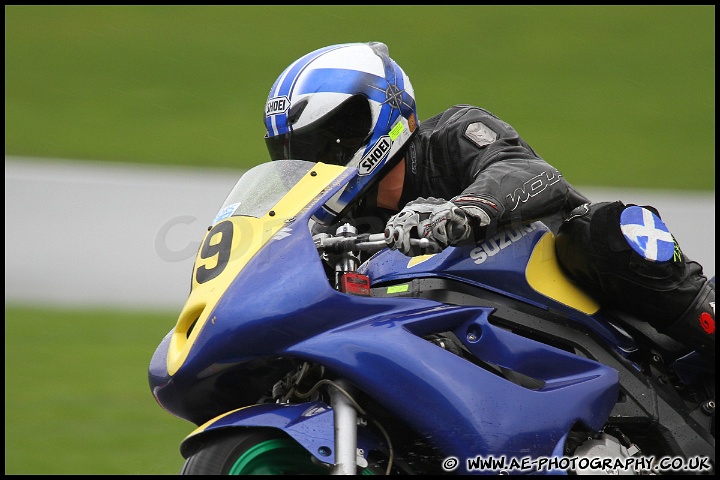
{"x": 441, "y": 222}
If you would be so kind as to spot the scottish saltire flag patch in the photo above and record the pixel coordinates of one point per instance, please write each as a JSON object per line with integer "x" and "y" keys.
{"x": 646, "y": 234}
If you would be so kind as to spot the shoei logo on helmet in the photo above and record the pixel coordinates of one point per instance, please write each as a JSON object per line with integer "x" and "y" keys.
{"x": 277, "y": 105}
{"x": 376, "y": 155}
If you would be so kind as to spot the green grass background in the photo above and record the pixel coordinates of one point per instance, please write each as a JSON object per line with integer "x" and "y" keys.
{"x": 77, "y": 399}
{"x": 611, "y": 95}
{"x": 620, "y": 96}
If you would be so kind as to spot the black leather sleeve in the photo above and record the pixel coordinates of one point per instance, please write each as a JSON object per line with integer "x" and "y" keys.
{"x": 476, "y": 159}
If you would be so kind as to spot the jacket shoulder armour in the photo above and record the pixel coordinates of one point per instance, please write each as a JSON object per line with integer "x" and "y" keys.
{"x": 467, "y": 124}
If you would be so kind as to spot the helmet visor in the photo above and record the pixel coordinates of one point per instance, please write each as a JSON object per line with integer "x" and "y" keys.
{"x": 334, "y": 140}
{"x": 313, "y": 146}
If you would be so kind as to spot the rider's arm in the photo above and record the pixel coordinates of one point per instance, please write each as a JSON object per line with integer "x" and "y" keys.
{"x": 502, "y": 176}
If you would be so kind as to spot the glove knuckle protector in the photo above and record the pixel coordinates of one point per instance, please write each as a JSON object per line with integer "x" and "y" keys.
{"x": 439, "y": 221}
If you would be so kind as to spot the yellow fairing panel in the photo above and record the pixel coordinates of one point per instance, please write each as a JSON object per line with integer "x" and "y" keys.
{"x": 544, "y": 275}
{"x": 217, "y": 270}
{"x": 213, "y": 420}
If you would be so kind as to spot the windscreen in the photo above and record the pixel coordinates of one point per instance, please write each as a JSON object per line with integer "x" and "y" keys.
{"x": 261, "y": 187}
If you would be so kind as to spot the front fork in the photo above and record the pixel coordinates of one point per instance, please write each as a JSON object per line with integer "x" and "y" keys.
{"x": 347, "y": 456}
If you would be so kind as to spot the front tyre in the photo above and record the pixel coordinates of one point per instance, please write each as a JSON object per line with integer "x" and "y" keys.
{"x": 252, "y": 452}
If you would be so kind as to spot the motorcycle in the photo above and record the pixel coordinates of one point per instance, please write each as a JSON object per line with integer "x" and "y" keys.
{"x": 308, "y": 349}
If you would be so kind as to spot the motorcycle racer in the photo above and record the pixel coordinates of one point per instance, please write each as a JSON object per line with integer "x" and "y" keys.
{"x": 464, "y": 174}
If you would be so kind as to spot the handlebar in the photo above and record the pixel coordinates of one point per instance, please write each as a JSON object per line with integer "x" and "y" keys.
{"x": 366, "y": 242}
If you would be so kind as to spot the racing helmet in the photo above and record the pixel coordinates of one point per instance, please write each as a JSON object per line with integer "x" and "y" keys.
{"x": 348, "y": 104}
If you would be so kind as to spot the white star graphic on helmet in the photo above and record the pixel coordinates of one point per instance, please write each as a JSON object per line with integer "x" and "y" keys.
{"x": 394, "y": 96}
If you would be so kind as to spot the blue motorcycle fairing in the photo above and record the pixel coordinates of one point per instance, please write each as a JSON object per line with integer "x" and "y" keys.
{"x": 497, "y": 265}
{"x": 251, "y": 321}
{"x": 310, "y": 424}
{"x": 558, "y": 389}
{"x": 281, "y": 308}
{"x": 503, "y": 271}
{"x": 366, "y": 339}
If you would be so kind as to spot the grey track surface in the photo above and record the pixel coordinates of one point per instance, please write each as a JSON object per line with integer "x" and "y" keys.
{"x": 116, "y": 235}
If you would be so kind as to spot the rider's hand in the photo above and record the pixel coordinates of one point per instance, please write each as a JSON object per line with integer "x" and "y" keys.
{"x": 439, "y": 221}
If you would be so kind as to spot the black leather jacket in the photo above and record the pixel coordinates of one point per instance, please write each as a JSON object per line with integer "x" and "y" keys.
{"x": 469, "y": 155}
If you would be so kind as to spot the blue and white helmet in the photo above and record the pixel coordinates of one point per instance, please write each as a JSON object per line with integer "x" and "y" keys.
{"x": 347, "y": 104}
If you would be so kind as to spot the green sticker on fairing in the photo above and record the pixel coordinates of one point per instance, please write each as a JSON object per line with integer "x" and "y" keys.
{"x": 398, "y": 288}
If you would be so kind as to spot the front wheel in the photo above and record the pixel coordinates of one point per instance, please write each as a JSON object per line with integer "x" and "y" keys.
{"x": 252, "y": 452}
